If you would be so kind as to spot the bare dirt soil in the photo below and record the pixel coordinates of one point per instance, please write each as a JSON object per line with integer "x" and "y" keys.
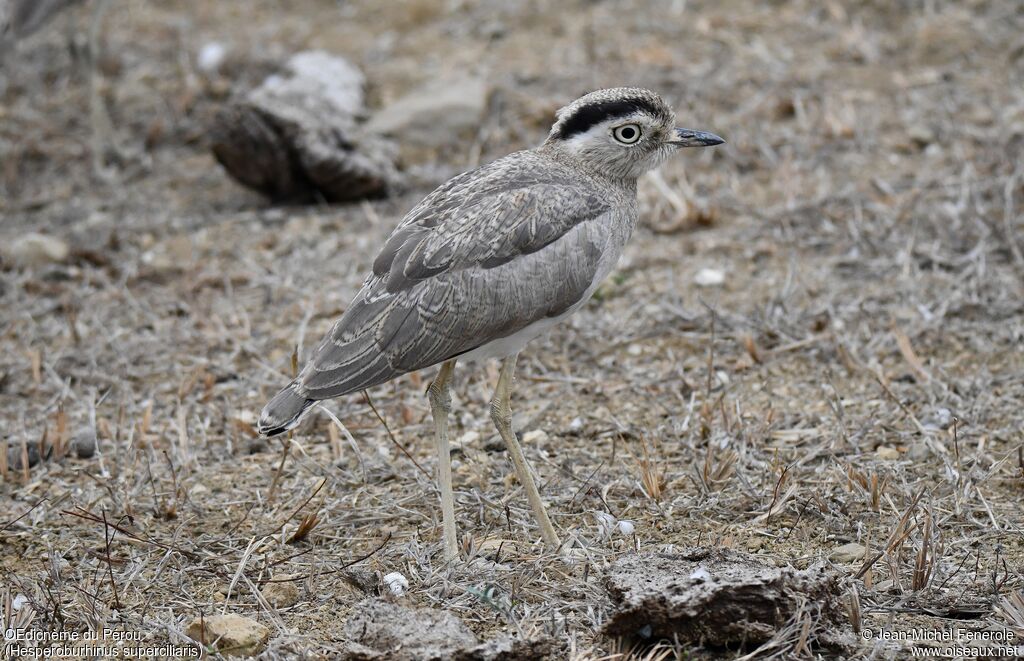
{"x": 857, "y": 376}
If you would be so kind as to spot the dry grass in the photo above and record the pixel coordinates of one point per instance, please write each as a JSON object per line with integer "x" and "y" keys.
{"x": 857, "y": 377}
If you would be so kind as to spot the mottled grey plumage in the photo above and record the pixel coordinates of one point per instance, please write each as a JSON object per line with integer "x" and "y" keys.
{"x": 493, "y": 258}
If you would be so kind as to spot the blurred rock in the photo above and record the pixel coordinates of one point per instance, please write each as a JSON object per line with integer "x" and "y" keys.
{"x": 210, "y": 57}
{"x": 435, "y": 115}
{"x": 709, "y": 278}
{"x": 718, "y": 597}
{"x": 887, "y": 453}
{"x": 379, "y": 629}
{"x": 535, "y": 437}
{"x": 35, "y": 249}
{"x": 281, "y": 593}
{"x": 296, "y": 137}
{"x": 84, "y": 443}
{"x": 15, "y": 458}
{"x": 397, "y": 583}
{"x": 852, "y": 552}
{"x": 230, "y": 634}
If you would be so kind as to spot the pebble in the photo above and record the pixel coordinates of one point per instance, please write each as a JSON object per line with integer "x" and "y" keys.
{"x": 211, "y": 56}
{"x": 852, "y": 552}
{"x": 887, "y": 453}
{"x": 84, "y": 443}
{"x": 535, "y": 437}
{"x": 14, "y": 455}
{"x": 281, "y": 593}
{"x": 469, "y": 438}
{"x": 709, "y": 278}
{"x": 34, "y": 249}
{"x": 397, "y": 583}
{"x": 230, "y": 634}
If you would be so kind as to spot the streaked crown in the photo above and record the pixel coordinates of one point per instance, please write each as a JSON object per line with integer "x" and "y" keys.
{"x": 605, "y": 105}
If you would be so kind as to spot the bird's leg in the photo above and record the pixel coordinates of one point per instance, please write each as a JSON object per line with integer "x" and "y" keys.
{"x": 501, "y": 414}
{"x": 440, "y": 406}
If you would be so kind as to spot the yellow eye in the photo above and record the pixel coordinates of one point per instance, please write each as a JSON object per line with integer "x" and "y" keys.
{"x": 627, "y": 134}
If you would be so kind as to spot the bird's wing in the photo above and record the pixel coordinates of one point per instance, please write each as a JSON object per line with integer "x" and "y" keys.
{"x": 480, "y": 258}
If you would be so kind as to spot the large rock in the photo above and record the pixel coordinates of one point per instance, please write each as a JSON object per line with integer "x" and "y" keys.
{"x": 230, "y": 634}
{"x": 434, "y": 115}
{"x": 718, "y": 597}
{"x": 297, "y": 136}
{"x": 379, "y": 629}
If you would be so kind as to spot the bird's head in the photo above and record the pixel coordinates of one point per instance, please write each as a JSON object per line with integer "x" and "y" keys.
{"x": 622, "y": 132}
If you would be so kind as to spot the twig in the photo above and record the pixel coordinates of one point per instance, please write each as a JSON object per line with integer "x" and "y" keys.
{"x": 392, "y": 436}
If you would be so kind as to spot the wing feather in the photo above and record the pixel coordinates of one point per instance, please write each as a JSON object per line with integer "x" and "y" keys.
{"x": 482, "y": 257}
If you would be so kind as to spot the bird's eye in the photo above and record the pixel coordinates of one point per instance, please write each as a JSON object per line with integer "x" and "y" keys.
{"x": 627, "y": 134}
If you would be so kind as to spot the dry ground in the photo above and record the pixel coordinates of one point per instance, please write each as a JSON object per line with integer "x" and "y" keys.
{"x": 857, "y": 377}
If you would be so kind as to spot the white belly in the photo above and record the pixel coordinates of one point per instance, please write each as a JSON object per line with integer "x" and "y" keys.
{"x": 514, "y": 343}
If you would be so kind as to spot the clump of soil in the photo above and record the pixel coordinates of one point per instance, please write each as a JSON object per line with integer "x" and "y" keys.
{"x": 717, "y": 597}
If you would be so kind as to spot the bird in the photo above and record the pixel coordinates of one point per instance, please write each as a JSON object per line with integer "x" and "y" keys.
{"x": 490, "y": 260}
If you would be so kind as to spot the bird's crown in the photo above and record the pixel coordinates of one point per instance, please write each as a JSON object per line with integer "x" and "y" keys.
{"x": 607, "y": 104}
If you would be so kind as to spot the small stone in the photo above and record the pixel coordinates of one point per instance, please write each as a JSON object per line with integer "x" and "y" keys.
{"x": 606, "y": 524}
{"x": 852, "y": 552}
{"x": 34, "y": 249}
{"x": 84, "y": 443}
{"x": 397, "y": 583}
{"x": 535, "y": 437}
{"x": 14, "y": 456}
{"x": 921, "y": 135}
{"x": 887, "y": 453}
{"x": 230, "y": 634}
{"x": 257, "y": 445}
{"x": 626, "y": 528}
{"x": 709, "y": 278}
{"x": 918, "y": 451}
{"x": 469, "y": 438}
{"x": 282, "y": 592}
{"x": 576, "y": 426}
{"x": 938, "y": 419}
{"x": 211, "y": 57}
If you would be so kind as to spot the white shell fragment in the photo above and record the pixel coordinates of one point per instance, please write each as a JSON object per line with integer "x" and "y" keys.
{"x": 397, "y": 583}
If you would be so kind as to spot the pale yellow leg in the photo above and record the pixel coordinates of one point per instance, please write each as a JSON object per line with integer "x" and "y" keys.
{"x": 440, "y": 407}
{"x": 501, "y": 414}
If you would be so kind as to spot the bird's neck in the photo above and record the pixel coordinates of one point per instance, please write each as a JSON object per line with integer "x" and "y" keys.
{"x": 622, "y": 180}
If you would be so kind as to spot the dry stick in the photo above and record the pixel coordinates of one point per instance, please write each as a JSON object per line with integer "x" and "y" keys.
{"x": 298, "y": 509}
{"x": 348, "y": 437}
{"x": 285, "y": 448}
{"x": 888, "y": 391}
{"x": 108, "y": 538}
{"x": 392, "y": 436}
{"x": 892, "y": 543}
{"x": 89, "y": 516}
{"x": 23, "y": 515}
{"x": 775, "y": 496}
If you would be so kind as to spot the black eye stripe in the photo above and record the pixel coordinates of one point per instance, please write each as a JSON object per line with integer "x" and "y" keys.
{"x": 587, "y": 116}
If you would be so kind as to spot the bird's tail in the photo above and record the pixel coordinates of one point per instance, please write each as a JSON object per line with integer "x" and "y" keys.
{"x": 283, "y": 412}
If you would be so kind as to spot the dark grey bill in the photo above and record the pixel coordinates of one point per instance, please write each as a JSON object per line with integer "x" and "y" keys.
{"x": 688, "y": 138}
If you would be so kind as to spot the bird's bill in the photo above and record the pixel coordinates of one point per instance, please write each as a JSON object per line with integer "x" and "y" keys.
{"x": 691, "y": 138}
